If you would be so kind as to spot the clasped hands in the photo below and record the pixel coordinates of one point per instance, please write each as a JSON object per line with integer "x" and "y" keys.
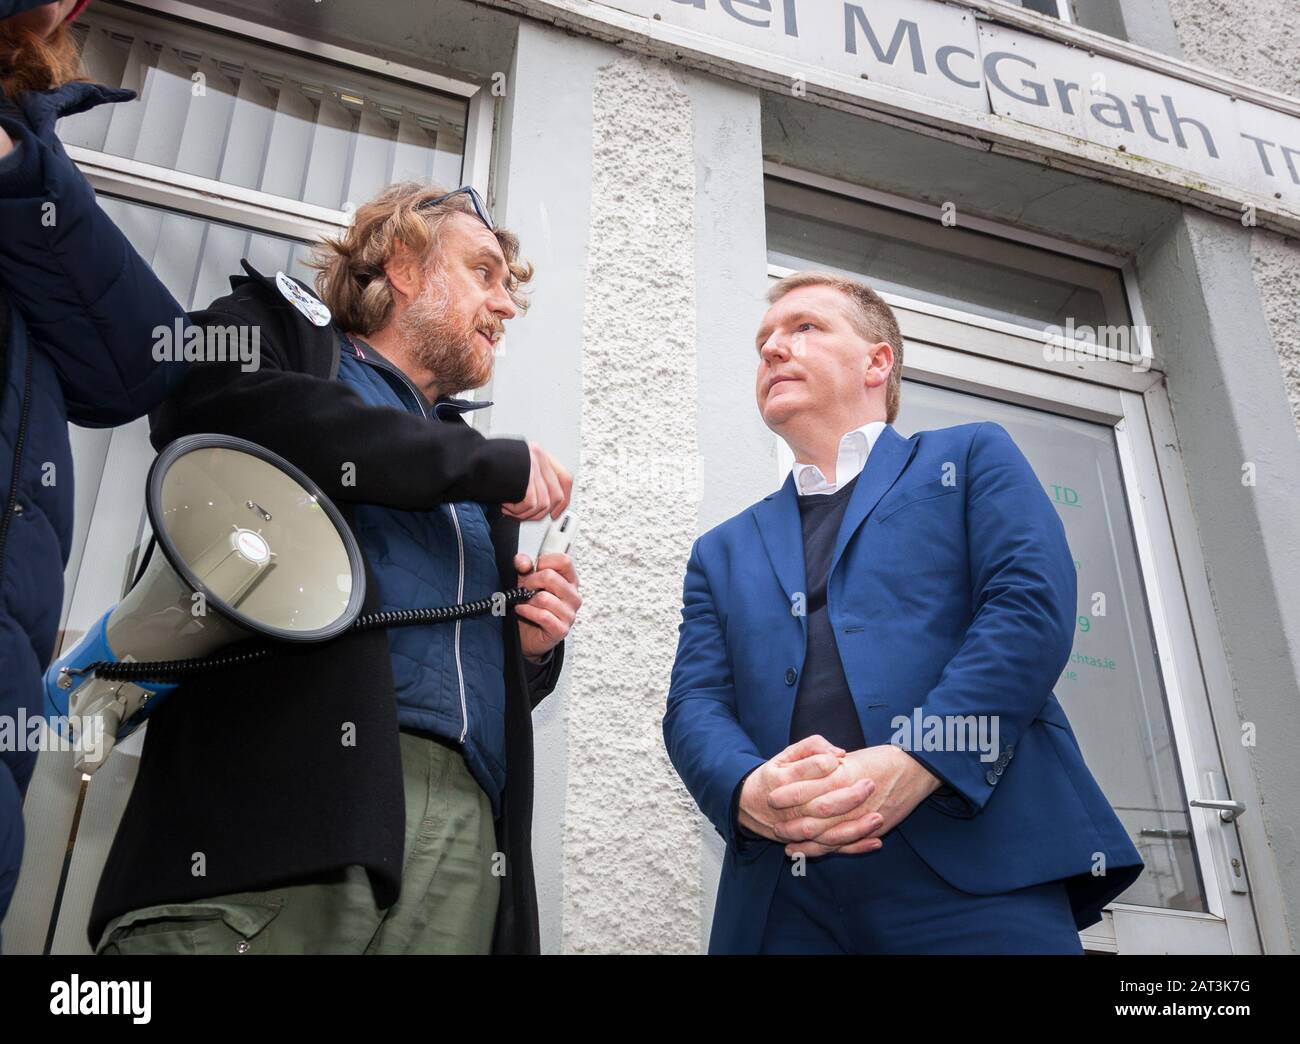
{"x": 818, "y": 798}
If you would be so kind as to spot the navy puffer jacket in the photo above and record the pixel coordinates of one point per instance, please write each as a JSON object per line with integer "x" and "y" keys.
{"x": 77, "y": 307}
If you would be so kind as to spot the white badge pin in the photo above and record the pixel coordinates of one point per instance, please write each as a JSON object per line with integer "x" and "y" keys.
{"x": 314, "y": 310}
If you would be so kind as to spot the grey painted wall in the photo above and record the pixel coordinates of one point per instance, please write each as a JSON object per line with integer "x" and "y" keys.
{"x": 1251, "y": 536}
{"x": 454, "y": 37}
{"x": 1256, "y": 42}
{"x": 631, "y": 864}
{"x": 737, "y": 453}
{"x": 650, "y": 245}
{"x": 1275, "y": 262}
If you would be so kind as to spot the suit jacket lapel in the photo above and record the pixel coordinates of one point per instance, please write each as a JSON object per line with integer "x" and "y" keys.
{"x": 889, "y": 456}
{"x": 777, "y": 518}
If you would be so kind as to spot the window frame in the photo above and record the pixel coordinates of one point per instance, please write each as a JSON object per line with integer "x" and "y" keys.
{"x": 210, "y": 199}
{"x": 1104, "y": 370}
{"x": 1063, "y": 12}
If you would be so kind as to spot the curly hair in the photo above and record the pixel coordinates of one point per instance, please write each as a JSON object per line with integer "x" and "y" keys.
{"x": 351, "y": 279}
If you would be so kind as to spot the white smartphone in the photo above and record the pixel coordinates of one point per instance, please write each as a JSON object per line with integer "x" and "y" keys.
{"x": 559, "y": 535}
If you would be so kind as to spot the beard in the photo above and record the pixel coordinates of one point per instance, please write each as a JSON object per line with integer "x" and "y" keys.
{"x": 445, "y": 344}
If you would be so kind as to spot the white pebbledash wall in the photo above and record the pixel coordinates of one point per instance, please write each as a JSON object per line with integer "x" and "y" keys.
{"x": 631, "y": 850}
{"x": 636, "y": 188}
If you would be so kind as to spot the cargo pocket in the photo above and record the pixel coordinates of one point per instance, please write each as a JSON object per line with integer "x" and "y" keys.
{"x": 233, "y": 924}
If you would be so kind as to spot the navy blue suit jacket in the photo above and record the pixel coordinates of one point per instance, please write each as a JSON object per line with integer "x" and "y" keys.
{"x": 951, "y": 590}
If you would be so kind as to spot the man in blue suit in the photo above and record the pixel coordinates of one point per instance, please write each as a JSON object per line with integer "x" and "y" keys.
{"x": 862, "y": 698}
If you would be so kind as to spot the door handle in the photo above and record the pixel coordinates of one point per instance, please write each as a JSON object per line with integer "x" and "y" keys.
{"x": 1228, "y": 810}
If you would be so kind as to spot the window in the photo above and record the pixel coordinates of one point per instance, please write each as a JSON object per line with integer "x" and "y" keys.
{"x": 1111, "y": 688}
{"x": 250, "y": 117}
{"x": 932, "y": 260}
{"x": 195, "y": 258}
{"x": 1052, "y": 8}
{"x": 1102, "y": 16}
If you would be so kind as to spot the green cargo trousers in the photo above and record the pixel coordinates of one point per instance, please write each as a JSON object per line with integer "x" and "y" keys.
{"x": 447, "y": 904}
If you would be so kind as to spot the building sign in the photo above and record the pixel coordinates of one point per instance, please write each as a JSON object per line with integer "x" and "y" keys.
{"x": 946, "y": 65}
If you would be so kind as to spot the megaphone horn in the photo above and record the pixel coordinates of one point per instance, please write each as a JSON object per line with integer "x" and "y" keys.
{"x": 248, "y": 546}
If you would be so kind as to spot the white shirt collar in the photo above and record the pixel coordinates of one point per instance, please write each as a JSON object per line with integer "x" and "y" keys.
{"x": 854, "y": 449}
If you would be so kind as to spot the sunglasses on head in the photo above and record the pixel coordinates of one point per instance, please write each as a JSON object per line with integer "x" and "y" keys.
{"x": 480, "y": 208}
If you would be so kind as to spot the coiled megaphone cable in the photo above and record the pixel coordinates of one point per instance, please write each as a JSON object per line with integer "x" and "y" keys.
{"x": 171, "y": 671}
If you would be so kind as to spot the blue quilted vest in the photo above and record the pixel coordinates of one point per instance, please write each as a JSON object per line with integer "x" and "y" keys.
{"x": 449, "y": 677}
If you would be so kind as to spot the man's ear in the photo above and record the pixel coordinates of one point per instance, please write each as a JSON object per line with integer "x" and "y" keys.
{"x": 880, "y": 362}
{"x": 403, "y": 272}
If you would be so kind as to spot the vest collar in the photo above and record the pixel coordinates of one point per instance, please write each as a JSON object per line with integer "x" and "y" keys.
{"x": 443, "y": 407}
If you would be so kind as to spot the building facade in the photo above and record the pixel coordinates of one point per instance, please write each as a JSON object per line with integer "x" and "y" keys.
{"x": 1086, "y": 214}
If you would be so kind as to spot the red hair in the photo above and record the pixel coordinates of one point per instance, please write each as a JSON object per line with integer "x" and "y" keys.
{"x": 31, "y": 62}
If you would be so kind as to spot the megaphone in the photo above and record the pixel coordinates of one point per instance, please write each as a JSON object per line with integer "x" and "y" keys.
{"x": 246, "y": 545}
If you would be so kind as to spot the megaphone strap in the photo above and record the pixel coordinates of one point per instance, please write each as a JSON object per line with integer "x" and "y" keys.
{"x": 175, "y": 670}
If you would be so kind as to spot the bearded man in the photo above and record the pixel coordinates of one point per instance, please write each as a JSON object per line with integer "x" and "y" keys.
{"x": 371, "y": 794}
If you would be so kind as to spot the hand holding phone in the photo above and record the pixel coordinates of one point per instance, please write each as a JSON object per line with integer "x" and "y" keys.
{"x": 545, "y": 620}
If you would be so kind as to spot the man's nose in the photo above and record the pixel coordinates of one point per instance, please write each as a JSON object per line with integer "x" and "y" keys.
{"x": 503, "y": 305}
{"x": 775, "y": 350}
